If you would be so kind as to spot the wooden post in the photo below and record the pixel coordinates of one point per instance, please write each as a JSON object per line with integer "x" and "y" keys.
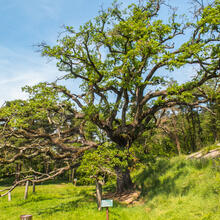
{"x": 106, "y": 204}
{"x": 9, "y": 196}
{"x": 99, "y": 194}
{"x": 26, "y": 217}
{"x": 33, "y": 187}
{"x": 26, "y": 190}
{"x": 107, "y": 217}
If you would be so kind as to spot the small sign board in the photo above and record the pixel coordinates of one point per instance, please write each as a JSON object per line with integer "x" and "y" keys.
{"x": 107, "y": 203}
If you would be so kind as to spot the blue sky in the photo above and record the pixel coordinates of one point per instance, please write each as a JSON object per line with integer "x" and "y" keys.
{"x": 28, "y": 22}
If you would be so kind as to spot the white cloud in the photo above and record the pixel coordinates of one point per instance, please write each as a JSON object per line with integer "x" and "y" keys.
{"x": 19, "y": 68}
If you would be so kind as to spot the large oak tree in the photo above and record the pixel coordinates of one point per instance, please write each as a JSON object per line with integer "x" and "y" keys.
{"x": 120, "y": 59}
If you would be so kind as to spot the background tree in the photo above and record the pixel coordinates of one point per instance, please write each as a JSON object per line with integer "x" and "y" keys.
{"x": 194, "y": 126}
{"x": 43, "y": 129}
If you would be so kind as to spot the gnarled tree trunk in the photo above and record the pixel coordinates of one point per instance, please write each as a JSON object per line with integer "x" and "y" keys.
{"x": 124, "y": 182}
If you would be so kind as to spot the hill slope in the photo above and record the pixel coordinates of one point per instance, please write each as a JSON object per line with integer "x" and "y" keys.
{"x": 181, "y": 189}
{"x": 172, "y": 190}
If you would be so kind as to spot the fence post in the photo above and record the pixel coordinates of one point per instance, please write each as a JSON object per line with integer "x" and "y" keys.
{"x": 26, "y": 190}
{"x": 26, "y": 217}
{"x": 9, "y": 196}
{"x": 34, "y": 184}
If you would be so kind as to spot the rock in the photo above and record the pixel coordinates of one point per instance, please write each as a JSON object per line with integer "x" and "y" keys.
{"x": 212, "y": 154}
{"x": 215, "y": 153}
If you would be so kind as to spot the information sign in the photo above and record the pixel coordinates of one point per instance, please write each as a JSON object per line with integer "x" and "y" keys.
{"x": 107, "y": 203}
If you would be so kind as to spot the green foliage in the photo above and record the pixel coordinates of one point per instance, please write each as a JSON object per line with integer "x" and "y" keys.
{"x": 118, "y": 48}
{"x": 100, "y": 163}
{"x": 21, "y": 113}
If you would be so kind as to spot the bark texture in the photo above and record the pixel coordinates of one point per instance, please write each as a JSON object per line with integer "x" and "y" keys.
{"x": 124, "y": 182}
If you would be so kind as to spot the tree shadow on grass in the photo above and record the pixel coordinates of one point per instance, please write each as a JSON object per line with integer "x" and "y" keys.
{"x": 151, "y": 184}
{"x": 33, "y": 200}
{"x": 63, "y": 207}
{"x": 200, "y": 164}
{"x": 82, "y": 201}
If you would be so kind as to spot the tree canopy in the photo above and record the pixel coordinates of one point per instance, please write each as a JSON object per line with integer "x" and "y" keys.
{"x": 119, "y": 57}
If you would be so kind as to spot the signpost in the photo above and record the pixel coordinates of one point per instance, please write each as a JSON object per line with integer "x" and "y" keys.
{"x": 106, "y": 204}
{"x": 75, "y": 180}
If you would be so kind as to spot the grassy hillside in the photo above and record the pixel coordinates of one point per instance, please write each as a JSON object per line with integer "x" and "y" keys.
{"x": 180, "y": 189}
{"x": 172, "y": 189}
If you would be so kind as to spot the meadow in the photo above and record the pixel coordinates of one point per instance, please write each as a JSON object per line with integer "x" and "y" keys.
{"x": 170, "y": 190}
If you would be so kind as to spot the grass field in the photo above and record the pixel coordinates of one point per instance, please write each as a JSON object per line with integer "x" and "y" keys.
{"x": 176, "y": 189}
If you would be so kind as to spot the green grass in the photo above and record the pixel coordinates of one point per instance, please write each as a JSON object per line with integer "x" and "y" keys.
{"x": 62, "y": 201}
{"x": 181, "y": 189}
{"x": 176, "y": 189}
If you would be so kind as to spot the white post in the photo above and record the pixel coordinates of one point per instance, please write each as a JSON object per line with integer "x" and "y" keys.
{"x": 9, "y": 196}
